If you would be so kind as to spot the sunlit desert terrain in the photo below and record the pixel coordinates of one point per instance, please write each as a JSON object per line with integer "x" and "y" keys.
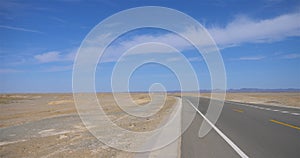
{"x": 47, "y": 125}
{"x": 278, "y": 99}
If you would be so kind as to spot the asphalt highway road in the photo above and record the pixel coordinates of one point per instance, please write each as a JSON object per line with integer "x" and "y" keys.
{"x": 259, "y": 131}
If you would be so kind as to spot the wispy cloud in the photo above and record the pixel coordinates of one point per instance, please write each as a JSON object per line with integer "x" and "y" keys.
{"x": 20, "y": 29}
{"x": 245, "y": 30}
{"x": 9, "y": 71}
{"x": 291, "y": 56}
{"x": 48, "y": 57}
{"x": 116, "y": 50}
{"x": 54, "y": 56}
{"x": 239, "y": 31}
{"x": 249, "y": 58}
{"x": 58, "y": 19}
{"x": 7, "y": 8}
{"x": 59, "y": 68}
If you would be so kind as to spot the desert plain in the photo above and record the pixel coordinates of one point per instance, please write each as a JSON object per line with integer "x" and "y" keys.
{"x": 48, "y": 125}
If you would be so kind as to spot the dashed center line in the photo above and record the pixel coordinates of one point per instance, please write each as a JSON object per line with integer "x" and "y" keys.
{"x": 238, "y": 110}
{"x": 285, "y": 124}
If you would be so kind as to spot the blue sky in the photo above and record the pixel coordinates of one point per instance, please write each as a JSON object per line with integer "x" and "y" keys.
{"x": 258, "y": 40}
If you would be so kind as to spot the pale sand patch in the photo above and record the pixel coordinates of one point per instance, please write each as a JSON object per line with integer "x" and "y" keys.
{"x": 12, "y": 142}
{"x": 58, "y": 102}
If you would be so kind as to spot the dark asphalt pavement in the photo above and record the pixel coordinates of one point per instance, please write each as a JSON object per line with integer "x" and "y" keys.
{"x": 260, "y": 131}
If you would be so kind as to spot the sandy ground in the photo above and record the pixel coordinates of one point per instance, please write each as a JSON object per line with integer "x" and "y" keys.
{"x": 278, "y": 99}
{"x": 47, "y": 125}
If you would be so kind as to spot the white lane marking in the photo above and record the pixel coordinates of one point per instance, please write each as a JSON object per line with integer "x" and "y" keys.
{"x": 295, "y": 114}
{"x": 235, "y": 147}
{"x": 277, "y": 106}
{"x": 262, "y": 108}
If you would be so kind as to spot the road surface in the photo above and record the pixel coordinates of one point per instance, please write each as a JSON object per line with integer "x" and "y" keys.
{"x": 259, "y": 131}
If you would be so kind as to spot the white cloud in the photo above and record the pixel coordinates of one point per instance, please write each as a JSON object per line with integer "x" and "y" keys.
{"x": 172, "y": 40}
{"x": 48, "y": 57}
{"x": 251, "y": 58}
{"x": 239, "y": 31}
{"x": 70, "y": 56}
{"x": 245, "y": 30}
{"x": 54, "y": 56}
{"x": 58, "y": 19}
{"x": 19, "y": 29}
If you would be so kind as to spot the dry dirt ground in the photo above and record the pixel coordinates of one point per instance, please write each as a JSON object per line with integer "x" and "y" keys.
{"x": 47, "y": 125}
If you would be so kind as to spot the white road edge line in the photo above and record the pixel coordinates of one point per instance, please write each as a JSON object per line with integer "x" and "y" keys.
{"x": 263, "y": 108}
{"x": 295, "y": 114}
{"x": 276, "y": 106}
{"x": 284, "y": 112}
{"x": 235, "y": 147}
